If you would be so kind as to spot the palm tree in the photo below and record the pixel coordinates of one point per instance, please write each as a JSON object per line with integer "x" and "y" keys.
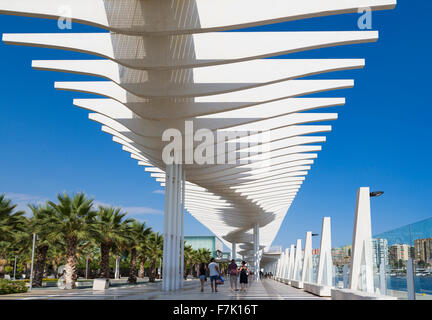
{"x": 112, "y": 228}
{"x": 11, "y": 222}
{"x": 75, "y": 221}
{"x": 139, "y": 232}
{"x": 203, "y": 255}
{"x": 189, "y": 257}
{"x": 41, "y": 224}
{"x": 154, "y": 251}
{"x": 56, "y": 255}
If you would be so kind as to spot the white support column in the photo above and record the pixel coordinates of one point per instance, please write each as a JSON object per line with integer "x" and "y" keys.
{"x": 172, "y": 228}
{"x": 234, "y": 251}
{"x": 307, "y": 268}
{"x": 182, "y": 228}
{"x": 256, "y": 252}
{"x": 361, "y": 275}
{"x": 174, "y": 255}
{"x": 167, "y": 229}
{"x": 286, "y": 264}
{"x": 298, "y": 261}
{"x": 173, "y": 213}
{"x": 325, "y": 264}
{"x": 291, "y": 263}
{"x": 282, "y": 263}
{"x": 178, "y": 226}
{"x": 278, "y": 267}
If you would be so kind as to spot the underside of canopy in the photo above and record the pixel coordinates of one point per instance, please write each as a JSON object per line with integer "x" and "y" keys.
{"x": 167, "y": 65}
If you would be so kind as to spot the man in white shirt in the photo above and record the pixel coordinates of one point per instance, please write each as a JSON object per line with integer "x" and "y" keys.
{"x": 214, "y": 273}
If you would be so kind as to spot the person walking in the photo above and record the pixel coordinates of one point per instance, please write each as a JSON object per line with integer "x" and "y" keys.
{"x": 244, "y": 273}
{"x": 233, "y": 273}
{"x": 214, "y": 274}
{"x": 202, "y": 274}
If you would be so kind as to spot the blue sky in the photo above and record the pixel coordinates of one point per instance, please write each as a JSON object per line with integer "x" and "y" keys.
{"x": 382, "y": 138}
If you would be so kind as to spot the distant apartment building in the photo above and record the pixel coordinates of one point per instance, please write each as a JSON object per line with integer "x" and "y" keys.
{"x": 399, "y": 252}
{"x": 347, "y": 254}
{"x": 337, "y": 256}
{"x": 380, "y": 252}
{"x": 423, "y": 250}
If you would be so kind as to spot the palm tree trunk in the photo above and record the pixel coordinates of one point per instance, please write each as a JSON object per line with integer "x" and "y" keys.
{"x": 133, "y": 270}
{"x": 3, "y": 263}
{"x": 105, "y": 268}
{"x": 55, "y": 267}
{"x": 141, "y": 268}
{"x": 41, "y": 254}
{"x": 152, "y": 276}
{"x": 71, "y": 261}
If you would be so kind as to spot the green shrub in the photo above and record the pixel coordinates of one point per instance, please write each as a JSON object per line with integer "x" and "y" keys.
{"x": 8, "y": 287}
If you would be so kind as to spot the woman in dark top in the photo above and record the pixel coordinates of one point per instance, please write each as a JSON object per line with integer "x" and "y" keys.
{"x": 202, "y": 274}
{"x": 244, "y": 272}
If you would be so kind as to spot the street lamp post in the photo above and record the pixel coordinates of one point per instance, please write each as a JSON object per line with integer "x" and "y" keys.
{"x": 87, "y": 260}
{"x": 15, "y": 263}
{"x": 31, "y": 270}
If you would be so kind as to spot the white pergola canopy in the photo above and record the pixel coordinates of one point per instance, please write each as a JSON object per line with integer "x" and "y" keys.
{"x": 166, "y": 62}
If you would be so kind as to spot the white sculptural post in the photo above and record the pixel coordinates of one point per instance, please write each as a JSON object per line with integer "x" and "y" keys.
{"x": 307, "y": 260}
{"x": 325, "y": 263}
{"x": 361, "y": 259}
{"x": 287, "y": 257}
{"x": 298, "y": 261}
{"x": 291, "y": 262}
{"x": 278, "y": 267}
{"x": 284, "y": 264}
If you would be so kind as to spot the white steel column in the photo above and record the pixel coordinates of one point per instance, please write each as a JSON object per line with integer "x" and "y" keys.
{"x": 172, "y": 228}
{"x": 298, "y": 261}
{"x": 183, "y": 182}
{"x": 281, "y": 264}
{"x": 256, "y": 251}
{"x": 278, "y": 267}
{"x": 325, "y": 264}
{"x": 178, "y": 226}
{"x": 361, "y": 275}
{"x": 307, "y": 260}
{"x": 173, "y": 213}
{"x": 233, "y": 251}
{"x": 285, "y": 264}
{"x": 167, "y": 233}
{"x": 291, "y": 263}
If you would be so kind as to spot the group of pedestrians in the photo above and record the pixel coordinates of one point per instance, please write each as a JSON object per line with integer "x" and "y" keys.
{"x": 235, "y": 272}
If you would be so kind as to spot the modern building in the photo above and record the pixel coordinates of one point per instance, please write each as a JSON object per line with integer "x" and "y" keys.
{"x": 337, "y": 256}
{"x": 423, "y": 250}
{"x": 399, "y": 252}
{"x": 380, "y": 252}
{"x": 347, "y": 250}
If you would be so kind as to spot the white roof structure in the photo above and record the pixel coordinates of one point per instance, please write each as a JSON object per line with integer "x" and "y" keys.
{"x": 166, "y": 62}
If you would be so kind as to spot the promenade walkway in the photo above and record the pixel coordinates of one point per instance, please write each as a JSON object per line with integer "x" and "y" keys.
{"x": 263, "y": 290}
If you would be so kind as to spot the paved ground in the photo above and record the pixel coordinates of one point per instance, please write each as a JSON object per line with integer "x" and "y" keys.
{"x": 262, "y": 290}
